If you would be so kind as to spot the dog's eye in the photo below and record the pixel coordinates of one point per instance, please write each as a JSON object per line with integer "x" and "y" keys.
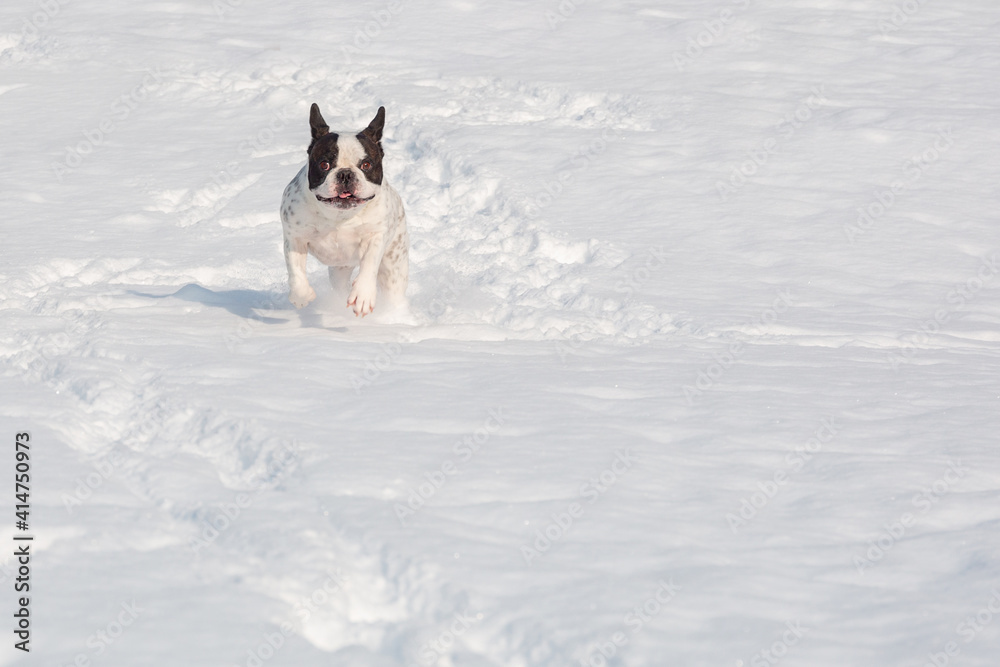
{"x": 366, "y": 165}
{"x": 325, "y": 166}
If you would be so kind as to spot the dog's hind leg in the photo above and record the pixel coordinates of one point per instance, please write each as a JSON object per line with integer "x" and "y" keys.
{"x": 394, "y": 271}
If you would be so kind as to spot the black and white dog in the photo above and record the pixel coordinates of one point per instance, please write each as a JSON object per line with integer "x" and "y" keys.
{"x": 340, "y": 209}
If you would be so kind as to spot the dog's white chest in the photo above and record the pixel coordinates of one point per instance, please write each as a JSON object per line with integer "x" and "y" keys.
{"x": 340, "y": 247}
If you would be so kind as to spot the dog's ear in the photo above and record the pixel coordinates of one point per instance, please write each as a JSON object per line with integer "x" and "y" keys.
{"x": 316, "y": 123}
{"x": 374, "y": 129}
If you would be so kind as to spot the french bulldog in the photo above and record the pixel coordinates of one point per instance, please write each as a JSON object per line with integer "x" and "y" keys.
{"x": 340, "y": 209}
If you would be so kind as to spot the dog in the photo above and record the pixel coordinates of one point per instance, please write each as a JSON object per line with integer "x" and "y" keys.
{"x": 340, "y": 209}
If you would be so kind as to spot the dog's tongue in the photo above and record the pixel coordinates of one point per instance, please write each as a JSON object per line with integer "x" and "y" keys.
{"x": 344, "y": 195}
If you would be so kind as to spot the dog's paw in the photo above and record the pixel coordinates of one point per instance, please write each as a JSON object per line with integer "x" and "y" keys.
{"x": 362, "y": 298}
{"x": 302, "y": 297}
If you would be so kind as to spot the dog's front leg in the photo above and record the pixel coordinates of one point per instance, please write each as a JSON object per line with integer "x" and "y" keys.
{"x": 363, "y": 290}
{"x": 299, "y": 291}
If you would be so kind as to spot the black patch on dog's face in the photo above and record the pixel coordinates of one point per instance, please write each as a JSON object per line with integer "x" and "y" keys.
{"x": 373, "y": 155}
{"x": 322, "y": 149}
{"x": 371, "y": 141}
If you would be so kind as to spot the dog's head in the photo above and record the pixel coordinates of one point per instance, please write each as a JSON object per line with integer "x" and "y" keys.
{"x": 345, "y": 171}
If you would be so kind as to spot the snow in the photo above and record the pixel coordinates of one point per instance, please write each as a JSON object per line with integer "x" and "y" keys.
{"x": 646, "y": 317}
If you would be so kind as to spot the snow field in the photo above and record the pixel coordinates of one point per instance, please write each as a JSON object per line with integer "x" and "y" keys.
{"x": 699, "y": 365}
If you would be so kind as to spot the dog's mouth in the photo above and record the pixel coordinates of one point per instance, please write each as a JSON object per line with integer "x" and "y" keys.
{"x": 344, "y": 200}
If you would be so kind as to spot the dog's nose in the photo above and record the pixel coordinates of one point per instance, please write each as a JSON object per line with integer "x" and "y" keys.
{"x": 344, "y": 177}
